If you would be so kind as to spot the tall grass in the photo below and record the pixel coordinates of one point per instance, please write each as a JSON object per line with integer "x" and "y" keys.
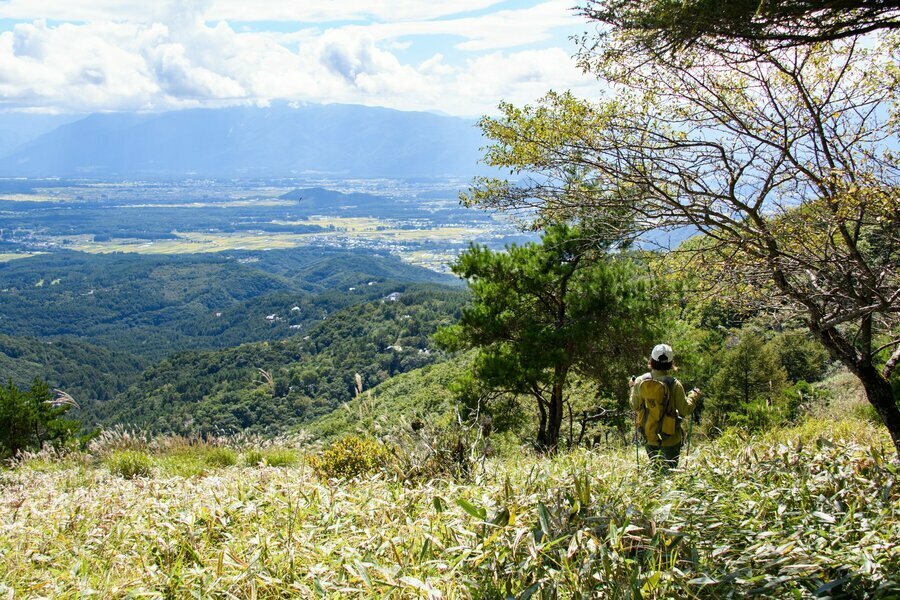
{"x": 794, "y": 513}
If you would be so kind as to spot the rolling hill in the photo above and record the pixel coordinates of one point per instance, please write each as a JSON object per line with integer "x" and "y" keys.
{"x": 153, "y": 305}
{"x": 306, "y": 375}
{"x": 87, "y": 372}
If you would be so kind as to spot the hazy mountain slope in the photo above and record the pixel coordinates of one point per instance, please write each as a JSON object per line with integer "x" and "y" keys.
{"x": 278, "y": 140}
{"x": 18, "y": 128}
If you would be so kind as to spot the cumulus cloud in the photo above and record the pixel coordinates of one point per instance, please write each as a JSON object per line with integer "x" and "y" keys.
{"x": 180, "y": 59}
{"x": 240, "y": 10}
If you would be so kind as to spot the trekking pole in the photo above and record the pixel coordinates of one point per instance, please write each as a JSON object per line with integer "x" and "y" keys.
{"x": 637, "y": 455}
{"x": 687, "y": 450}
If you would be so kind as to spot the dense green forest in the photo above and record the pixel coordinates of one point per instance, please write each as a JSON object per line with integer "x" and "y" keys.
{"x": 87, "y": 372}
{"x": 155, "y": 305}
{"x": 271, "y": 386}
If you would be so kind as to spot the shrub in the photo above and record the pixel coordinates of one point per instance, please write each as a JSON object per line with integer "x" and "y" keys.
{"x": 129, "y": 464}
{"x": 348, "y": 457}
{"x": 183, "y": 465}
{"x": 253, "y": 458}
{"x": 866, "y": 412}
{"x": 451, "y": 449}
{"x": 221, "y": 457}
{"x": 280, "y": 458}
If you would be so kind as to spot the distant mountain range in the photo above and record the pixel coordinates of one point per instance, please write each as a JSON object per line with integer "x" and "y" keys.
{"x": 280, "y": 140}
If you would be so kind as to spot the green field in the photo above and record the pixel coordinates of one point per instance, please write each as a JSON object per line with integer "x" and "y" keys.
{"x": 792, "y": 513}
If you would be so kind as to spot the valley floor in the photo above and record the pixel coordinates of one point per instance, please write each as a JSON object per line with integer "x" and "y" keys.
{"x": 802, "y": 512}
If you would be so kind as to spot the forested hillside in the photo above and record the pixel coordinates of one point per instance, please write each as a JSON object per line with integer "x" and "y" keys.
{"x": 87, "y": 372}
{"x": 153, "y": 305}
{"x": 271, "y": 386}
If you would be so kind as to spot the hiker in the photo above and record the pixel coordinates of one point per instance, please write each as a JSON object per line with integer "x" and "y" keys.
{"x": 661, "y": 404}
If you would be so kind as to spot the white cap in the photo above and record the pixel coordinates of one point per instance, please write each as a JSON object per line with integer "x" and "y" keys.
{"x": 662, "y": 353}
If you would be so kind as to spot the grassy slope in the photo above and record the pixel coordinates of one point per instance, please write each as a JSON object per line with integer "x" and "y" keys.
{"x": 421, "y": 394}
{"x": 783, "y": 515}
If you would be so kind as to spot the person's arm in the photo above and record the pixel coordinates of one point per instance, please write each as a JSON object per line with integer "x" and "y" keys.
{"x": 684, "y": 403}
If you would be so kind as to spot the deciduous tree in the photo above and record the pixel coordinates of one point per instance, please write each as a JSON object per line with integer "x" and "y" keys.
{"x": 781, "y": 160}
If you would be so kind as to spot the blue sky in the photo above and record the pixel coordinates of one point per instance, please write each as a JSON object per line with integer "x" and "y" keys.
{"x": 458, "y": 57}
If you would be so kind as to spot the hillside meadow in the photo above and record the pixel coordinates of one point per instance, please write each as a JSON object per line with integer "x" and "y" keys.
{"x": 808, "y": 511}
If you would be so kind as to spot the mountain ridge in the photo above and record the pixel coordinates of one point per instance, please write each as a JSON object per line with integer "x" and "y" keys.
{"x": 329, "y": 139}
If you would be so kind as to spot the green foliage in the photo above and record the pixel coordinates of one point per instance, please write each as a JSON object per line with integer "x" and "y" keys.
{"x": 806, "y": 398}
{"x": 349, "y": 457}
{"x": 456, "y": 449}
{"x": 541, "y": 311}
{"x": 706, "y": 139}
{"x": 673, "y": 25}
{"x": 129, "y": 464}
{"x": 748, "y": 388}
{"x": 803, "y": 358}
{"x": 87, "y": 372}
{"x": 29, "y": 419}
{"x": 281, "y": 457}
{"x": 312, "y": 373}
{"x": 252, "y": 457}
{"x": 423, "y": 395}
{"x": 221, "y": 457}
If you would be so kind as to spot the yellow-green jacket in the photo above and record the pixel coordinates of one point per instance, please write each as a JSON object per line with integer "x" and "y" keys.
{"x": 684, "y": 403}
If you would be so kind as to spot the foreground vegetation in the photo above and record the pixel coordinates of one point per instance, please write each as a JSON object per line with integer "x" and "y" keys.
{"x": 811, "y": 510}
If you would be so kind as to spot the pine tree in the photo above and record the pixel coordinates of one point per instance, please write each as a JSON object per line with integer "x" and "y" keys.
{"x": 540, "y": 312}
{"x": 747, "y": 388}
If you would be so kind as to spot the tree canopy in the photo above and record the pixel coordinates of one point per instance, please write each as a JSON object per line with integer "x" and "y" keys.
{"x": 781, "y": 160}
{"x": 541, "y": 311}
{"x": 677, "y": 24}
{"x": 29, "y": 418}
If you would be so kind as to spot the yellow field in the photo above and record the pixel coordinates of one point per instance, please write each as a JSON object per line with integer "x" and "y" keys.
{"x": 192, "y": 242}
{"x": 9, "y": 256}
{"x": 225, "y": 204}
{"x": 350, "y": 224}
{"x": 32, "y": 198}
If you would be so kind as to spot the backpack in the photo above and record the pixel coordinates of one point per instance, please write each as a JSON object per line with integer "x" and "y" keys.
{"x": 657, "y": 418}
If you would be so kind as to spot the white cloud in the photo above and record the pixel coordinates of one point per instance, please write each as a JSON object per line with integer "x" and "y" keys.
{"x": 179, "y": 60}
{"x": 492, "y": 31}
{"x": 303, "y": 11}
{"x": 519, "y": 77}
